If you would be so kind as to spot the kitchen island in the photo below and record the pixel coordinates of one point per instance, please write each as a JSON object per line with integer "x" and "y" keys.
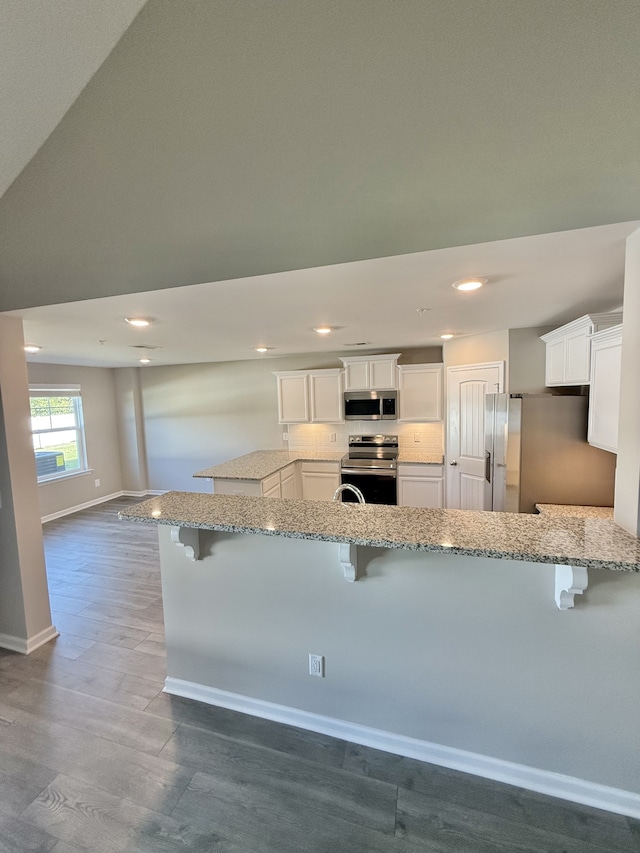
{"x": 450, "y": 647}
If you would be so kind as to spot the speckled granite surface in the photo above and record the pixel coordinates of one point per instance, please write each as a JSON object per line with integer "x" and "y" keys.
{"x": 593, "y": 543}
{"x": 567, "y": 511}
{"x": 263, "y": 463}
{"x": 414, "y": 457}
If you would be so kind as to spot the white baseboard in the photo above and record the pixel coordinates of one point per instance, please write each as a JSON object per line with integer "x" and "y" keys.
{"x": 533, "y": 779}
{"x": 79, "y": 507}
{"x": 26, "y": 646}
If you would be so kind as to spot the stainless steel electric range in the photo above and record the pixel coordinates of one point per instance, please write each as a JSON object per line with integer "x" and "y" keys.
{"x": 371, "y": 466}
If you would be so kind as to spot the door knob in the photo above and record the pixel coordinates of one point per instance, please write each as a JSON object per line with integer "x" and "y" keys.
{"x": 453, "y": 463}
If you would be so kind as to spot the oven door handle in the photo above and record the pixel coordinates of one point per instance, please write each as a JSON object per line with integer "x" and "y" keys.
{"x": 367, "y": 472}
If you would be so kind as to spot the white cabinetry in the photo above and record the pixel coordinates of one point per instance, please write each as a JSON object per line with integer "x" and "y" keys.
{"x": 421, "y": 486}
{"x": 604, "y": 394}
{"x": 293, "y": 397}
{"x": 313, "y": 396}
{"x": 271, "y": 486}
{"x": 325, "y": 396}
{"x": 319, "y": 480}
{"x": 420, "y": 392}
{"x": 568, "y": 349}
{"x": 370, "y": 372}
{"x": 282, "y": 484}
{"x": 289, "y": 482}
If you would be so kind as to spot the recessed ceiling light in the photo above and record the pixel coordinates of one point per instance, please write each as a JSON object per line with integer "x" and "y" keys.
{"x": 144, "y": 360}
{"x": 323, "y": 330}
{"x": 32, "y": 348}
{"x": 473, "y": 283}
{"x": 262, "y": 349}
{"x": 139, "y": 322}
{"x": 446, "y": 337}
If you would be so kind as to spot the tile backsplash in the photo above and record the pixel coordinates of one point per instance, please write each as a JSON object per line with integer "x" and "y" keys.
{"x": 318, "y": 436}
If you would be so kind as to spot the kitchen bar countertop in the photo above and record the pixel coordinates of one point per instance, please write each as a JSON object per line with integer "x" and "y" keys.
{"x": 588, "y": 542}
{"x": 262, "y": 463}
{"x": 569, "y": 511}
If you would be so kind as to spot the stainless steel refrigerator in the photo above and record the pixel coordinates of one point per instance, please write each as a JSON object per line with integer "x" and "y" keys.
{"x": 536, "y": 451}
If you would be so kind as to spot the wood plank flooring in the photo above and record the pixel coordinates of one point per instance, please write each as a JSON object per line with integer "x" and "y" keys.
{"x": 94, "y": 757}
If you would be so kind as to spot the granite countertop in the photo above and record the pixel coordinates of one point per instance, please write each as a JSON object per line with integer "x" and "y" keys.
{"x": 263, "y": 463}
{"x": 568, "y": 511}
{"x": 589, "y": 542}
{"x": 417, "y": 457}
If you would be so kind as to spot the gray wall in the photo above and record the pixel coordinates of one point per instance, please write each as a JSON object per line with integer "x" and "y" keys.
{"x": 467, "y": 652}
{"x": 526, "y": 366}
{"x": 101, "y": 434}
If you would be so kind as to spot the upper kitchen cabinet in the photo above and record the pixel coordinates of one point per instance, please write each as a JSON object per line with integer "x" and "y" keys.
{"x": 604, "y": 394}
{"x": 310, "y": 396}
{"x": 420, "y": 392}
{"x": 293, "y": 397}
{"x": 370, "y": 372}
{"x": 568, "y": 360}
{"x": 325, "y": 396}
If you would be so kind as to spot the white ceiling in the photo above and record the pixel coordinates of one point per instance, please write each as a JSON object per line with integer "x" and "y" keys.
{"x": 539, "y": 280}
{"x": 48, "y": 53}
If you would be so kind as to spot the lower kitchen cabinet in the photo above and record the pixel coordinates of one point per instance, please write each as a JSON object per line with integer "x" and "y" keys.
{"x": 282, "y": 484}
{"x": 319, "y": 480}
{"x": 604, "y": 391}
{"x": 289, "y": 482}
{"x": 421, "y": 486}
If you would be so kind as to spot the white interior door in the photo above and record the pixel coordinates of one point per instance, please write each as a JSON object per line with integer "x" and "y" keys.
{"x": 466, "y": 389}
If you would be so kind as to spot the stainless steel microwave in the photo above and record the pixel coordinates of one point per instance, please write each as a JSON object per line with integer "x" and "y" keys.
{"x": 370, "y": 405}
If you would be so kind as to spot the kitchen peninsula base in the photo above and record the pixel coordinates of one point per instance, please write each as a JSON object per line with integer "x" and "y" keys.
{"x": 458, "y": 660}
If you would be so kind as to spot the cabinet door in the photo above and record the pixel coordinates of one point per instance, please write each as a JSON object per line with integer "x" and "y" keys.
{"x": 293, "y": 398}
{"x": 426, "y": 492}
{"x": 325, "y": 392}
{"x": 317, "y": 486}
{"x": 288, "y": 482}
{"x": 420, "y": 393}
{"x": 604, "y": 394}
{"x": 271, "y": 486}
{"x": 555, "y": 363}
{"x": 576, "y": 358}
{"x": 356, "y": 375}
{"x": 382, "y": 374}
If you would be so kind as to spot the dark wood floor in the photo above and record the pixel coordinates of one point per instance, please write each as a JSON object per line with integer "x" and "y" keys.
{"x": 94, "y": 757}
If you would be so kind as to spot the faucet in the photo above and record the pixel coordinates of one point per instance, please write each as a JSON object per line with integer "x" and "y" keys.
{"x": 356, "y": 491}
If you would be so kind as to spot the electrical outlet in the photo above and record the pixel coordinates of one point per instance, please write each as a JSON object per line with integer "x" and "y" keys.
{"x": 332, "y": 436}
{"x": 285, "y": 436}
{"x": 316, "y": 665}
{"x": 97, "y": 483}
{"x": 417, "y": 437}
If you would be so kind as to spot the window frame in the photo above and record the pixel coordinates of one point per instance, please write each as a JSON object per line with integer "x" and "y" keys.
{"x": 74, "y": 392}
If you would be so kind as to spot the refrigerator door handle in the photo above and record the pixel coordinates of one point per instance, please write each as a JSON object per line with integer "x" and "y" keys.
{"x": 487, "y": 466}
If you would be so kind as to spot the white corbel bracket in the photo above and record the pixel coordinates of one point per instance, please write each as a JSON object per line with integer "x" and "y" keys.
{"x": 189, "y": 539}
{"x": 348, "y": 556}
{"x": 570, "y": 581}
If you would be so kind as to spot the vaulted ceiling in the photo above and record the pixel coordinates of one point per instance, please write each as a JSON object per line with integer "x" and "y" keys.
{"x": 230, "y": 138}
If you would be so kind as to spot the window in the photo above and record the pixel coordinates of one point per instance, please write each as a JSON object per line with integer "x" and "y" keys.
{"x": 58, "y": 431}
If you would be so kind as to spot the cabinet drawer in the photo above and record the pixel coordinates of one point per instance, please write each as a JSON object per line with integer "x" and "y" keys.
{"x": 320, "y": 467}
{"x": 271, "y": 482}
{"x": 408, "y": 470}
